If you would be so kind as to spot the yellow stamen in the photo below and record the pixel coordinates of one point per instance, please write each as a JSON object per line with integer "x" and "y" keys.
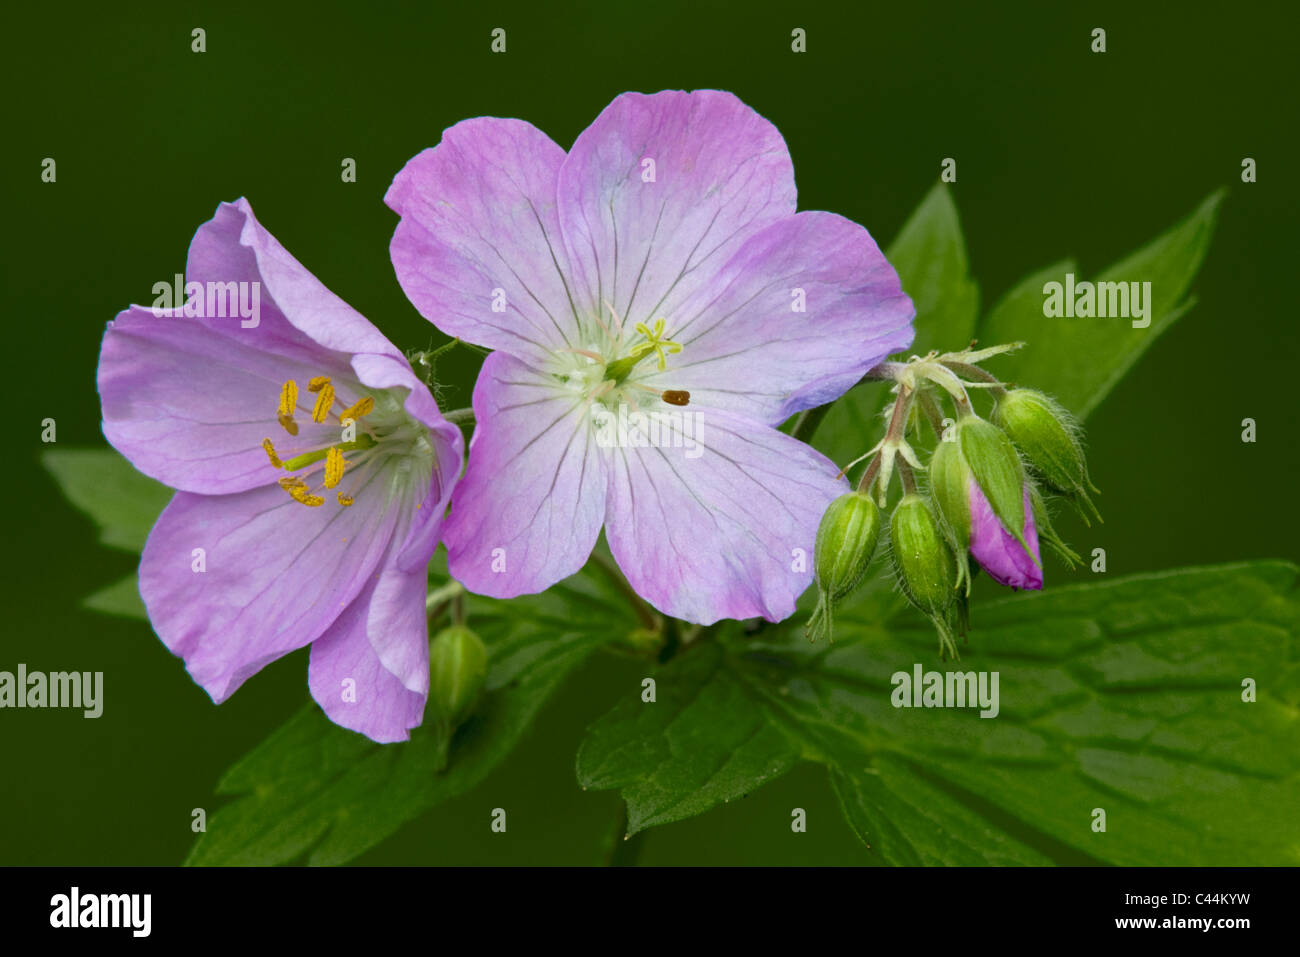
{"x": 289, "y": 424}
{"x": 288, "y": 398}
{"x": 363, "y": 406}
{"x": 335, "y": 463}
{"x": 290, "y": 482}
{"x": 301, "y": 494}
{"x": 317, "y": 383}
{"x": 270, "y": 453}
{"x": 324, "y": 402}
{"x": 345, "y": 499}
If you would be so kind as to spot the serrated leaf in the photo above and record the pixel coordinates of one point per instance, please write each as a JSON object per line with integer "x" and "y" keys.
{"x": 1079, "y": 360}
{"x": 121, "y": 501}
{"x": 701, "y": 710}
{"x": 316, "y": 790}
{"x": 1124, "y": 695}
{"x": 930, "y": 256}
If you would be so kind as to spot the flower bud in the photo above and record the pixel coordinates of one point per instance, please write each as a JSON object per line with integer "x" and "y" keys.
{"x": 924, "y": 564}
{"x": 978, "y": 466}
{"x": 457, "y": 667}
{"x": 846, "y": 542}
{"x": 996, "y": 469}
{"x": 1009, "y": 560}
{"x": 1046, "y": 435}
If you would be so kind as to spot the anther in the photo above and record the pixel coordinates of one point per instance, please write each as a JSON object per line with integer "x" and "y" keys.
{"x": 363, "y": 406}
{"x": 288, "y": 398}
{"x": 288, "y": 401}
{"x": 324, "y": 402}
{"x": 335, "y": 463}
{"x": 317, "y": 383}
{"x": 270, "y": 453}
{"x": 305, "y": 497}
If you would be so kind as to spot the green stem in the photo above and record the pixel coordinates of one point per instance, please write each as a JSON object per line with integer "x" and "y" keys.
{"x": 906, "y": 476}
{"x": 976, "y": 374}
{"x": 932, "y": 411}
{"x": 460, "y": 416}
{"x": 869, "y": 476}
{"x": 807, "y": 423}
{"x": 643, "y": 611}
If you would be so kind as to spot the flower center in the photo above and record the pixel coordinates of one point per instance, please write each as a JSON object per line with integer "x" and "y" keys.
{"x": 602, "y": 373}
{"x": 654, "y": 341}
{"x": 355, "y": 439}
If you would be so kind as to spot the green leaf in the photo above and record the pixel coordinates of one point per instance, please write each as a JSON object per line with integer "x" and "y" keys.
{"x": 121, "y": 501}
{"x": 120, "y": 598}
{"x": 909, "y": 821}
{"x": 316, "y": 790}
{"x": 638, "y": 746}
{"x": 1080, "y": 360}
{"x": 930, "y": 256}
{"x": 1125, "y": 695}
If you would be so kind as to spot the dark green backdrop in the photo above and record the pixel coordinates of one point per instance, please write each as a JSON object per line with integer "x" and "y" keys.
{"x": 1059, "y": 151}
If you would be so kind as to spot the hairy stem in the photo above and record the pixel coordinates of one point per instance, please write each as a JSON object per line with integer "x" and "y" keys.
{"x": 976, "y": 374}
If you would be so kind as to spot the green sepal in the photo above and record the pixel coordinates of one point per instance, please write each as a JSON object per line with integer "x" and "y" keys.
{"x": 950, "y": 490}
{"x": 846, "y": 542}
{"x": 996, "y": 468}
{"x": 1045, "y": 434}
{"x": 923, "y": 562}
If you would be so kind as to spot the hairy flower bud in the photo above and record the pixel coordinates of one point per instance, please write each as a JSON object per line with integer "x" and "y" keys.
{"x": 1045, "y": 433}
{"x": 996, "y": 468}
{"x": 977, "y": 471}
{"x": 457, "y": 669}
{"x": 846, "y": 542}
{"x": 924, "y": 563}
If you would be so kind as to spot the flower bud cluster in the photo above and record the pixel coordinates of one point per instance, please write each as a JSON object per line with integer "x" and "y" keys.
{"x": 984, "y": 498}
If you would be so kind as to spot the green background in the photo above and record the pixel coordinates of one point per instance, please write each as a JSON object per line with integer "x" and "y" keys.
{"x": 1060, "y": 152}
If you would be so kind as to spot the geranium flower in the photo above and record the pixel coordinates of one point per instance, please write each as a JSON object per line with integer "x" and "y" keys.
{"x": 658, "y": 269}
{"x": 313, "y": 470}
{"x": 997, "y": 550}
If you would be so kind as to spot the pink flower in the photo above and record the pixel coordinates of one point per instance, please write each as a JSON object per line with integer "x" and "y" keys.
{"x": 313, "y": 469}
{"x": 658, "y": 308}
